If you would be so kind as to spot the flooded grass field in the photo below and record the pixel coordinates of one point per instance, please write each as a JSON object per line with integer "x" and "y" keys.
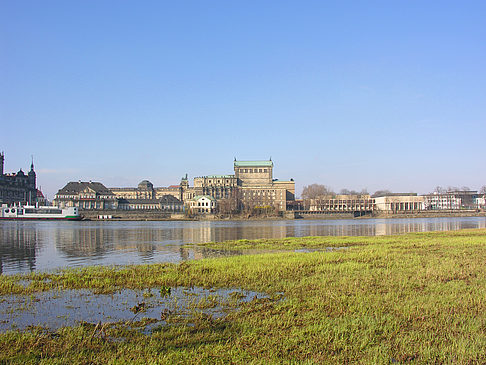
{"x": 413, "y": 298}
{"x": 60, "y": 308}
{"x": 43, "y": 246}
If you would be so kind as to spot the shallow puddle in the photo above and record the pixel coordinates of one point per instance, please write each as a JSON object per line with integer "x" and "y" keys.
{"x": 55, "y": 309}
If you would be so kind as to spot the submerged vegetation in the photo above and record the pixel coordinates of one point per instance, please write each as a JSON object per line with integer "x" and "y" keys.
{"x": 417, "y": 298}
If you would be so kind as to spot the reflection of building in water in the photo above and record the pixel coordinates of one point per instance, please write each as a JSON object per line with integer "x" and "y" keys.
{"x": 424, "y": 225}
{"x": 18, "y": 246}
{"x": 380, "y": 229}
{"x": 25, "y": 245}
{"x": 340, "y": 229}
{"x": 98, "y": 241}
{"x": 389, "y": 228}
{"x": 82, "y": 241}
{"x": 206, "y": 231}
{"x": 140, "y": 240}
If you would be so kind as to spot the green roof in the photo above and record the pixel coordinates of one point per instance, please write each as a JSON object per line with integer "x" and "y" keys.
{"x": 253, "y": 163}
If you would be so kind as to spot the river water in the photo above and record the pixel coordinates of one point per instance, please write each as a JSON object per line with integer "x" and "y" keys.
{"x": 44, "y": 246}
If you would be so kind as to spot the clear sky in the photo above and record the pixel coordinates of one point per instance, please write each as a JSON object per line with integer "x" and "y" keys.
{"x": 351, "y": 94}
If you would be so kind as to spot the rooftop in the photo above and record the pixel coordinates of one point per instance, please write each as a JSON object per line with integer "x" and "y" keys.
{"x": 254, "y": 163}
{"x": 77, "y": 187}
{"x": 394, "y": 194}
{"x": 197, "y": 197}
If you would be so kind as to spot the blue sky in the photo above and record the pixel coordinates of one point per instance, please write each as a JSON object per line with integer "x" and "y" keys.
{"x": 351, "y": 94}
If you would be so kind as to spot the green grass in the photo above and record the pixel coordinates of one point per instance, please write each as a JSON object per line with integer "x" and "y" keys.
{"x": 415, "y": 298}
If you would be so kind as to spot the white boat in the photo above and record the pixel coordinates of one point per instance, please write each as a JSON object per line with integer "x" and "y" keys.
{"x": 32, "y": 212}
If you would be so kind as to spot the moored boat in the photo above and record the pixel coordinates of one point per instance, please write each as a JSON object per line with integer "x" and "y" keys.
{"x": 32, "y": 212}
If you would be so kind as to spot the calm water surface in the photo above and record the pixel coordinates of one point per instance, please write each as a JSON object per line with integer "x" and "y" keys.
{"x": 39, "y": 245}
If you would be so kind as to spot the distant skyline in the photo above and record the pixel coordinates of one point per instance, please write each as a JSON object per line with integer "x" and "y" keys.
{"x": 376, "y": 95}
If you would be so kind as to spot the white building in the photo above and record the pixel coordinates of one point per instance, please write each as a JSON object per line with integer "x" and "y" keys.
{"x": 202, "y": 204}
{"x": 452, "y": 200}
{"x": 481, "y": 202}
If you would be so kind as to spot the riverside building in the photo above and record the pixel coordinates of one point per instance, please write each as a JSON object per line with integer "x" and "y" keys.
{"x": 17, "y": 187}
{"x": 454, "y": 200}
{"x": 86, "y": 195}
{"x": 251, "y": 186}
{"x": 400, "y": 203}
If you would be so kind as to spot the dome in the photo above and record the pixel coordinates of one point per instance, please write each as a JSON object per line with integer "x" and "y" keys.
{"x": 145, "y": 185}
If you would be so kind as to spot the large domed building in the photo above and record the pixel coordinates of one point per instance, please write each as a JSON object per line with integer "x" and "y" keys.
{"x": 145, "y": 185}
{"x": 146, "y": 197}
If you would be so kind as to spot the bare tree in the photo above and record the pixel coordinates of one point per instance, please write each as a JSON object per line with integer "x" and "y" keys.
{"x": 315, "y": 190}
{"x": 439, "y": 190}
{"x": 353, "y": 192}
{"x": 482, "y": 190}
{"x": 226, "y": 206}
{"x": 381, "y": 193}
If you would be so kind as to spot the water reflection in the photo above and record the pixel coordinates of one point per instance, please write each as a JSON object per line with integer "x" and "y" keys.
{"x": 54, "y": 309}
{"x": 29, "y": 246}
{"x": 396, "y": 226}
{"x": 18, "y": 246}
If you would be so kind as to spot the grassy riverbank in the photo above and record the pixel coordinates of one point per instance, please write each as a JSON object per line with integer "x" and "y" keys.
{"x": 416, "y": 298}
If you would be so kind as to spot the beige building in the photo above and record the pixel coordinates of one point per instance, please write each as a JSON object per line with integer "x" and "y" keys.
{"x": 399, "y": 203}
{"x": 258, "y": 188}
{"x": 341, "y": 203}
{"x": 85, "y": 195}
{"x": 166, "y": 203}
{"x": 146, "y": 190}
{"x": 251, "y": 186}
{"x": 217, "y": 186}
